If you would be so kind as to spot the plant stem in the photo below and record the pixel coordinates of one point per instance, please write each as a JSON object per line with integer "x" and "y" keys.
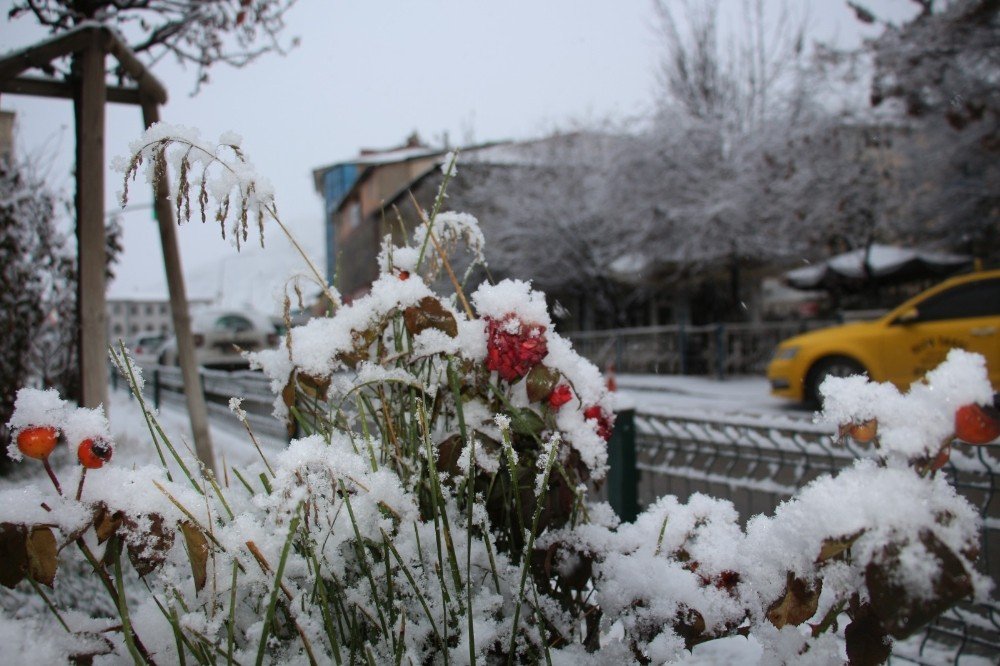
{"x": 79, "y": 488}
{"x": 52, "y": 475}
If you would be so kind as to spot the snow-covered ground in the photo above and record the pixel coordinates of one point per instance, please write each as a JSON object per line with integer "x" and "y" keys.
{"x": 736, "y": 396}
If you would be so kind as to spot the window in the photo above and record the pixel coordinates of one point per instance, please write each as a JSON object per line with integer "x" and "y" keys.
{"x": 149, "y": 309}
{"x": 163, "y": 308}
{"x": 974, "y": 299}
{"x": 133, "y": 309}
{"x": 117, "y": 308}
{"x": 353, "y": 215}
{"x": 133, "y": 329}
{"x": 233, "y": 323}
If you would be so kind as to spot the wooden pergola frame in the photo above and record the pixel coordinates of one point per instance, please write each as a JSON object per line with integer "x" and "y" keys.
{"x": 88, "y": 46}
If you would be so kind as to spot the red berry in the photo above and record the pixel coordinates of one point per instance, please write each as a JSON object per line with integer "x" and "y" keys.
{"x": 560, "y": 396}
{"x": 976, "y": 424}
{"x": 862, "y": 433}
{"x": 404, "y": 275}
{"x": 604, "y": 422}
{"x": 513, "y": 347}
{"x": 37, "y": 442}
{"x": 94, "y": 453}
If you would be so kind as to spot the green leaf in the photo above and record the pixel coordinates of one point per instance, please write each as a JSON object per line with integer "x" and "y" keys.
{"x": 526, "y": 422}
{"x": 540, "y": 381}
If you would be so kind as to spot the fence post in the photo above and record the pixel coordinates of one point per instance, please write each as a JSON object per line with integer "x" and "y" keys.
{"x": 720, "y": 351}
{"x": 682, "y": 348}
{"x": 623, "y": 477}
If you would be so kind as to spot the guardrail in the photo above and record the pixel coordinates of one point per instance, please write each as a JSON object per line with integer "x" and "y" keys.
{"x": 164, "y": 384}
{"x": 758, "y": 464}
{"x": 717, "y": 349}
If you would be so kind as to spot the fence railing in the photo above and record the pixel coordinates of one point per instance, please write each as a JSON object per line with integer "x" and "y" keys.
{"x": 164, "y": 384}
{"x": 718, "y": 349}
{"x": 756, "y": 466}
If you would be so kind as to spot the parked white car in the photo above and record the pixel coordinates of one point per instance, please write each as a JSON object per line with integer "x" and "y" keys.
{"x": 220, "y": 337}
{"x": 145, "y": 349}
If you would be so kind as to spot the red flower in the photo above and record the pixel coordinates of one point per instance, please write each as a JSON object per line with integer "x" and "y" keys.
{"x": 604, "y": 421}
{"x": 560, "y": 396}
{"x": 513, "y": 347}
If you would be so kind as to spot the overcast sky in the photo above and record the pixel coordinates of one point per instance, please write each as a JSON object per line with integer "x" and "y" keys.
{"x": 367, "y": 73}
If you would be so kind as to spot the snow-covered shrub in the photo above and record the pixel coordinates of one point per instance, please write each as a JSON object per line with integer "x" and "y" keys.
{"x": 436, "y": 509}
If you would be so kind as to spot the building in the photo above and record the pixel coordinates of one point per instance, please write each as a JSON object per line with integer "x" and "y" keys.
{"x": 6, "y": 136}
{"x": 129, "y": 317}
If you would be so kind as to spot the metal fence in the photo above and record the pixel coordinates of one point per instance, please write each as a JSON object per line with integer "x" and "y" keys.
{"x": 758, "y": 465}
{"x": 164, "y": 384}
{"x": 718, "y": 349}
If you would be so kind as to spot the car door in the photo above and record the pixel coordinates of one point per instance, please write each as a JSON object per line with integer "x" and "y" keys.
{"x": 966, "y": 316}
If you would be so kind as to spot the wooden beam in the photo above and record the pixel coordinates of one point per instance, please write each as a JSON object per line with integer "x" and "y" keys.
{"x": 149, "y": 84}
{"x": 43, "y": 53}
{"x": 42, "y": 87}
{"x": 91, "y": 242}
{"x": 193, "y": 392}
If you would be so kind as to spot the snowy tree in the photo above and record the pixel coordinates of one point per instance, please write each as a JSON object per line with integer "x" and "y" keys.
{"x": 197, "y": 32}
{"x": 36, "y": 284}
{"x": 939, "y": 71}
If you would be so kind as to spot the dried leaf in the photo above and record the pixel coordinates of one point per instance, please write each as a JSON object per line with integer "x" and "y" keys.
{"x": 835, "y": 547}
{"x": 867, "y": 642}
{"x": 429, "y": 313}
{"x": 106, "y": 523}
{"x": 798, "y": 605}
{"x": 197, "y": 547}
{"x": 540, "y": 381}
{"x": 448, "y": 452}
{"x": 902, "y": 614}
{"x": 147, "y": 549}
{"x": 43, "y": 555}
{"x": 13, "y": 554}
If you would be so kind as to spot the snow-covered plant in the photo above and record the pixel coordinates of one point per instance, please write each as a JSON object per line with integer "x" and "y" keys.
{"x": 436, "y": 510}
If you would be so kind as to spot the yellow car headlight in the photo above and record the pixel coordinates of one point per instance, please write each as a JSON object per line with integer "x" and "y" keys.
{"x": 786, "y": 353}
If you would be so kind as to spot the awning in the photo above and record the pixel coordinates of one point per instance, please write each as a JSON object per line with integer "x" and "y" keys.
{"x": 879, "y": 263}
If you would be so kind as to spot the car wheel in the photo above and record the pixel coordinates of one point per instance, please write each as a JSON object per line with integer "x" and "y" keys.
{"x": 832, "y": 366}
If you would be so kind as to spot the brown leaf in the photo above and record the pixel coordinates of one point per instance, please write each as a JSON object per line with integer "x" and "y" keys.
{"x": 197, "y": 547}
{"x": 798, "y": 605}
{"x": 147, "y": 549}
{"x": 13, "y": 554}
{"x": 106, "y": 523}
{"x": 540, "y": 381}
{"x": 900, "y": 613}
{"x": 429, "y": 313}
{"x": 361, "y": 341}
{"x": 867, "y": 642}
{"x": 448, "y": 452}
{"x": 835, "y": 547}
{"x": 42, "y": 555}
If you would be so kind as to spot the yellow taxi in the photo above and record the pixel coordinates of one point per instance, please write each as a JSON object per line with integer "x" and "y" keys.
{"x": 901, "y": 346}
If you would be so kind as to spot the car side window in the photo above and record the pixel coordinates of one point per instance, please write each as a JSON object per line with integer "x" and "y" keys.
{"x": 233, "y": 323}
{"x": 974, "y": 299}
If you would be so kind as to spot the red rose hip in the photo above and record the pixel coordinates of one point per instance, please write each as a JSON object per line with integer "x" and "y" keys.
{"x": 37, "y": 442}
{"x": 976, "y": 424}
{"x": 94, "y": 453}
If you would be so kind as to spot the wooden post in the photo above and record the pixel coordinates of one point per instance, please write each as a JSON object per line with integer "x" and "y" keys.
{"x": 193, "y": 392}
{"x": 91, "y": 243}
